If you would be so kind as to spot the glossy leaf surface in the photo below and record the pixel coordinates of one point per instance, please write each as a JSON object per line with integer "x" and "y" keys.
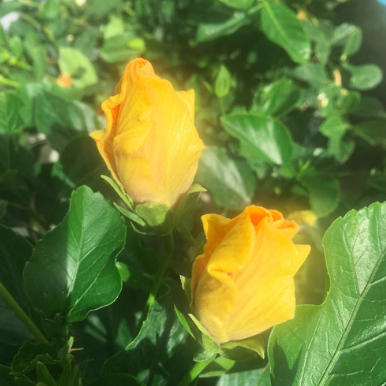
{"x": 341, "y": 341}
{"x": 72, "y": 270}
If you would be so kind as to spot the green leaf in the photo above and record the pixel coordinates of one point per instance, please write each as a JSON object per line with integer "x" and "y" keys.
{"x": 238, "y": 4}
{"x": 364, "y": 77}
{"x": 117, "y": 380}
{"x": 75, "y": 168}
{"x": 62, "y": 120}
{"x": 222, "y": 365}
{"x": 245, "y": 378}
{"x": 74, "y": 62}
{"x": 121, "y": 48}
{"x": 370, "y": 107}
{"x": 281, "y": 25}
{"x": 15, "y": 250}
{"x": 341, "y": 149}
{"x": 158, "y": 217}
{"x": 334, "y": 127}
{"x": 261, "y": 138}
{"x": 323, "y": 191}
{"x": 313, "y": 73}
{"x": 5, "y": 378}
{"x": 350, "y": 37}
{"x": 162, "y": 352}
{"x": 276, "y": 99}
{"x": 10, "y": 118}
{"x": 50, "y": 9}
{"x": 211, "y": 31}
{"x": 72, "y": 270}
{"x": 44, "y": 375}
{"x": 223, "y": 82}
{"x": 230, "y": 181}
{"x": 341, "y": 341}
{"x": 373, "y": 132}
{"x": 30, "y": 354}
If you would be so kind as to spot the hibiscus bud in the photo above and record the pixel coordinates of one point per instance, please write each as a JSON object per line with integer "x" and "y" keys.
{"x": 150, "y": 144}
{"x": 243, "y": 283}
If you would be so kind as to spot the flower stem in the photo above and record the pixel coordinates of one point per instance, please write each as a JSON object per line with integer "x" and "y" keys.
{"x": 194, "y": 372}
{"x": 21, "y": 314}
{"x": 166, "y": 256}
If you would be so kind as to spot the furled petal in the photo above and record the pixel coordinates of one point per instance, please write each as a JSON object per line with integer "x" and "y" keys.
{"x": 243, "y": 283}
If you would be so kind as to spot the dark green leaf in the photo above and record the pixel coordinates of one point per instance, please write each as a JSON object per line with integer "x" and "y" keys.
{"x": 117, "y": 380}
{"x": 364, "y": 77}
{"x": 370, "y": 107}
{"x": 230, "y": 181}
{"x": 44, "y": 375}
{"x": 5, "y": 378}
{"x": 323, "y": 191}
{"x": 14, "y": 253}
{"x": 261, "y": 138}
{"x": 75, "y": 168}
{"x": 211, "y": 31}
{"x": 10, "y": 118}
{"x": 30, "y": 354}
{"x": 281, "y": 25}
{"x": 162, "y": 352}
{"x": 341, "y": 341}
{"x": 61, "y": 120}
{"x": 72, "y": 270}
{"x": 373, "y": 132}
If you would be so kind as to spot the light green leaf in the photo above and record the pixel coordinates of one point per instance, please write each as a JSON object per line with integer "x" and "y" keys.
{"x": 340, "y": 342}
{"x": 364, "y": 77}
{"x": 211, "y": 31}
{"x": 50, "y": 9}
{"x": 333, "y": 127}
{"x": 230, "y": 181}
{"x": 373, "y": 132}
{"x": 313, "y": 73}
{"x": 244, "y": 378}
{"x": 74, "y": 62}
{"x": 276, "y": 99}
{"x": 323, "y": 191}
{"x": 223, "y": 82}
{"x": 261, "y": 138}
{"x": 350, "y": 36}
{"x": 281, "y": 25}
{"x": 72, "y": 270}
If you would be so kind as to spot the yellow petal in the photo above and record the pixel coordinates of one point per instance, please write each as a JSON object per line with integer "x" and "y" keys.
{"x": 216, "y": 293}
{"x": 150, "y": 143}
{"x": 243, "y": 283}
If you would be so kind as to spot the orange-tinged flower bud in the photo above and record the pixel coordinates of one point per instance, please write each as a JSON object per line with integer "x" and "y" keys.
{"x": 243, "y": 283}
{"x": 150, "y": 144}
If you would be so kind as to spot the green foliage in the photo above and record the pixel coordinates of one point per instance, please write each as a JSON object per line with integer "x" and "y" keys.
{"x": 341, "y": 340}
{"x": 72, "y": 270}
{"x": 285, "y": 104}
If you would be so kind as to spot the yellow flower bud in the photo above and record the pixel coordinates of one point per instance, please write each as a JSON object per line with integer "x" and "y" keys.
{"x": 150, "y": 144}
{"x": 243, "y": 283}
